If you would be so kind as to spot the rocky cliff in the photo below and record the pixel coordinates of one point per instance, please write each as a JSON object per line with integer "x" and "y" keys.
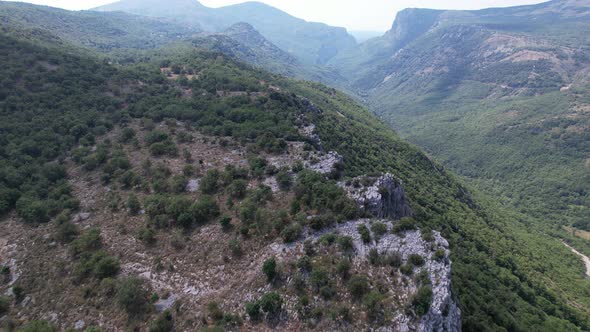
{"x": 382, "y": 197}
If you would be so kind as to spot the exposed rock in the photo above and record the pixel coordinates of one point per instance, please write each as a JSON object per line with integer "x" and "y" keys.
{"x": 79, "y": 325}
{"x": 309, "y": 106}
{"x": 324, "y": 164}
{"x": 82, "y": 216}
{"x": 272, "y": 183}
{"x": 193, "y": 185}
{"x": 383, "y": 197}
{"x": 165, "y": 304}
{"x": 444, "y": 314}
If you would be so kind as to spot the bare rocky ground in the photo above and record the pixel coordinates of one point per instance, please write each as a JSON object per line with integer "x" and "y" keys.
{"x": 188, "y": 270}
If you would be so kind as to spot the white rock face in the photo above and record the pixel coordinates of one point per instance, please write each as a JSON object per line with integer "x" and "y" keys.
{"x": 325, "y": 163}
{"x": 82, "y": 216}
{"x": 384, "y": 198}
{"x": 165, "y": 304}
{"x": 444, "y": 315}
{"x": 193, "y": 185}
{"x": 79, "y": 324}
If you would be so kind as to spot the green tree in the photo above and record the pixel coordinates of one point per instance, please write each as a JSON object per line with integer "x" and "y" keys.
{"x": 269, "y": 268}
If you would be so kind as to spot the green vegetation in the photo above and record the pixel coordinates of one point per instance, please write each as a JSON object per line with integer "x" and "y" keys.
{"x": 57, "y": 105}
{"x": 132, "y": 296}
{"x": 38, "y": 326}
{"x": 358, "y": 286}
{"x": 4, "y": 305}
{"x": 164, "y": 323}
{"x": 269, "y": 268}
{"x": 421, "y": 300}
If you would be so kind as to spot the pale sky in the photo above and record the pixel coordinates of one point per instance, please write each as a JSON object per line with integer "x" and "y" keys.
{"x": 373, "y": 15}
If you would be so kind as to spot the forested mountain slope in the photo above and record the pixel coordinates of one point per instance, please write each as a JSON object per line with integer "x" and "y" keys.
{"x": 314, "y": 43}
{"x": 128, "y": 38}
{"x": 499, "y": 95}
{"x": 199, "y": 175}
{"x": 100, "y": 31}
{"x": 241, "y": 41}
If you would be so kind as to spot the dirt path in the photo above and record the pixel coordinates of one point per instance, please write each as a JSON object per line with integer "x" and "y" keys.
{"x": 584, "y": 258}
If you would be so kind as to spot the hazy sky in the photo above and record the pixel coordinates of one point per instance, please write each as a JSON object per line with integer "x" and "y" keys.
{"x": 376, "y": 15}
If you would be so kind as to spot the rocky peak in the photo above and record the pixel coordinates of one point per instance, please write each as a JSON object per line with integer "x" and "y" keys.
{"x": 443, "y": 313}
{"x": 411, "y": 23}
{"x": 382, "y": 197}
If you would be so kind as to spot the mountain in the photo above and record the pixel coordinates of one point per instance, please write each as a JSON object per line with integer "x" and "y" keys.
{"x": 186, "y": 190}
{"x": 314, "y": 43}
{"x": 241, "y": 41}
{"x": 499, "y": 95}
{"x": 99, "y": 31}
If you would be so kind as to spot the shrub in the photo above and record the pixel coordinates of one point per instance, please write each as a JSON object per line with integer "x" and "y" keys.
{"x": 4, "y": 305}
{"x": 66, "y": 232}
{"x": 131, "y": 296}
{"x": 4, "y": 274}
{"x": 358, "y": 286}
{"x": 87, "y": 242}
{"x": 328, "y": 239}
{"x": 155, "y": 136}
{"x": 209, "y": 183}
{"x": 237, "y": 189}
{"x": 304, "y": 263}
{"x": 178, "y": 184}
{"x": 405, "y": 224}
{"x": 133, "y": 205}
{"x": 257, "y": 166}
{"x": 393, "y": 259}
{"x": 156, "y": 205}
{"x": 421, "y": 300}
{"x": 129, "y": 179}
{"x": 214, "y": 311}
{"x": 32, "y": 210}
{"x": 235, "y": 246}
{"x": 416, "y": 260}
{"x": 439, "y": 254}
{"x": 291, "y": 233}
{"x": 328, "y": 291}
{"x": 93, "y": 329}
{"x": 38, "y": 326}
{"x": 374, "y": 257}
{"x": 373, "y": 303}
{"x": 407, "y": 269}
{"x": 284, "y": 180}
{"x": 271, "y": 303}
{"x": 427, "y": 235}
{"x": 253, "y": 310}
{"x": 343, "y": 267}
{"x": 205, "y": 210}
{"x": 346, "y": 243}
{"x": 19, "y": 293}
{"x": 127, "y": 135}
{"x": 379, "y": 229}
{"x": 147, "y": 235}
{"x": 364, "y": 232}
{"x": 225, "y": 222}
{"x": 319, "y": 278}
{"x": 100, "y": 265}
{"x": 269, "y": 268}
{"x": 164, "y": 148}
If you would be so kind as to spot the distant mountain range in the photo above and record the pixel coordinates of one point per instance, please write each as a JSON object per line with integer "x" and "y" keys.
{"x": 314, "y": 43}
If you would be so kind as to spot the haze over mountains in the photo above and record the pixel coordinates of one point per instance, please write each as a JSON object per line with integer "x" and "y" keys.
{"x": 315, "y": 43}
{"x": 162, "y": 167}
